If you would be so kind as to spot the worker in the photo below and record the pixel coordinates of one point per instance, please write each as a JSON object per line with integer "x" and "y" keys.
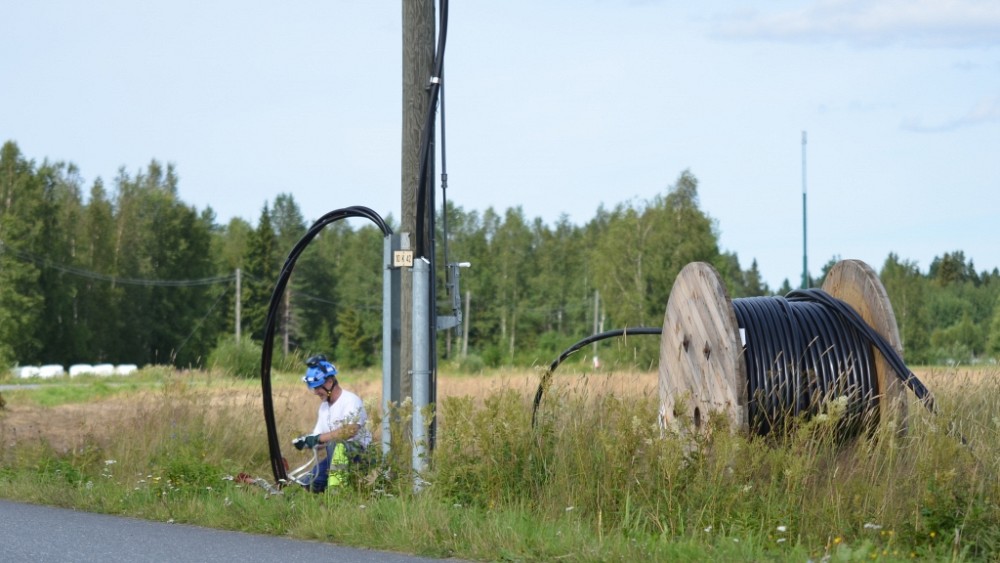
{"x": 340, "y": 427}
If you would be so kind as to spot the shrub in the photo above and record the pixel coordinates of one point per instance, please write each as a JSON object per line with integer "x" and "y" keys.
{"x": 242, "y": 359}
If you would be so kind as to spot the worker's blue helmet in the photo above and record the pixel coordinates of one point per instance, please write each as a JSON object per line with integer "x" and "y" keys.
{"x": 319, "y": 370}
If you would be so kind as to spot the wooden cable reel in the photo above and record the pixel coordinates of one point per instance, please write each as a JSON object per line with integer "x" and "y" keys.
{"x": 702, "y": 368}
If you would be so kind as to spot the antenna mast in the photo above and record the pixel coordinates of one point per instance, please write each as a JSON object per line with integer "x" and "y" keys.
{"x": 805, "y": 262}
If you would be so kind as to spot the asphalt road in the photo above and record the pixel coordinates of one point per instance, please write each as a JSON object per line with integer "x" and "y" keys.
{"x": 30, "y": 533}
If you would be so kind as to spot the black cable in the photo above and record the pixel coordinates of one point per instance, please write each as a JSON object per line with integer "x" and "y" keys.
{"x": 888, "y": 352}
{"x": 444, "y": 182}
{"x": 274, "y": 448}
{"x": 837, "y": 361}
{"x": 425, "y": 234}
{"x": 427, "y": 133}
{"x": 547, "y": 376}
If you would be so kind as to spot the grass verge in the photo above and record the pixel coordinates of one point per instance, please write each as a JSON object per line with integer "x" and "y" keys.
{"x": 595, "y": 481}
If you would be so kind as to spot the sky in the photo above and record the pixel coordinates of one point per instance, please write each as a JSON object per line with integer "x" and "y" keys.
{"x": 557, "y": 106}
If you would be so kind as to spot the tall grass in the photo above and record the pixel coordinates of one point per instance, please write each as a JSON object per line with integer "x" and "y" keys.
{"x": 596, "y": 480}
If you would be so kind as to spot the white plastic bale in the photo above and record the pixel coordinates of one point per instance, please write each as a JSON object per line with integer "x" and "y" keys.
{"x": 80, "y": 369}
{"x": 25, "y": 372}
{"x": 51, "y": 370}
{"x": 126, "y": 369}
{"x": 104, "y": 369}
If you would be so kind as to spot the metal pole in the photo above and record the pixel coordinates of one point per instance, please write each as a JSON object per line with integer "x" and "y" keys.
{"x": 805, "y": 262}
{"x": 421, "y": 366}
{"x": 465, "y": 323}
{"x": 387, "y": 303}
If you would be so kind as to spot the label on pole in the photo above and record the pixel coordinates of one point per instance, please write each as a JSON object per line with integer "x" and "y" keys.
{"x": 402, "y": 259}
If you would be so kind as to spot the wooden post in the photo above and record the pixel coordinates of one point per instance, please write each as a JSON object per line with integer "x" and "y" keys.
{"x": 239, "y": 299}
{"x": 418, "y": 62}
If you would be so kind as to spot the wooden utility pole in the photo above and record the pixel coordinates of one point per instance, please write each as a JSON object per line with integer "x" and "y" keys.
{"x": 239, "y": 301}
{"x": 418, "y": 62}
{"x": 465, "y": 329}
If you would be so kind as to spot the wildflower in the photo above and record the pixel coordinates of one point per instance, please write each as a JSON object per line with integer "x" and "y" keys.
{"x": 837, "y": 540}
{"x": 569, "y": 508}
{"x": 782, "y": 529}
{"x": 110, "y": 462}
{"x": 781, "y": 540}
{"x": 872, "y": 526}
{"x": 708, "y": 529}
{"x": 933, "y": 534}
{"x": 362, "y": 507}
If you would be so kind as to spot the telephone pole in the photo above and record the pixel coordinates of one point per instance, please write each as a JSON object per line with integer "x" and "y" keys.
{"x": 239, "y": 300}
{"x": 418, "y": 63}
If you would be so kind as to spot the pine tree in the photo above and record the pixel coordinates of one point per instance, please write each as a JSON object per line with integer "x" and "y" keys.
{"x": 262, "y": 274}
{"x": 21, "y": 299}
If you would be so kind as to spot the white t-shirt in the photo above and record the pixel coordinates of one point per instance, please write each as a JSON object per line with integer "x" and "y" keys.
{"x": 347, "y": 409}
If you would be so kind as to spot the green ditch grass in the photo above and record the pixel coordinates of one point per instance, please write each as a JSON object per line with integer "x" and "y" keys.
{"x": 597, "y": 480}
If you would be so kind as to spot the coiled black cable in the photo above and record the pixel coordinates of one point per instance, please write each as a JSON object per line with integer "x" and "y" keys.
{"x": 808, "y": 348}
{"x": 800, "y": 351}
{"x": 788, "y": 374}
{"x": 273, "y": 446}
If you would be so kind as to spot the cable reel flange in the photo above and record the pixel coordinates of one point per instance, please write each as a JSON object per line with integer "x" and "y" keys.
{"x": 701, "y": 354}
{"x": 856, "y": 283}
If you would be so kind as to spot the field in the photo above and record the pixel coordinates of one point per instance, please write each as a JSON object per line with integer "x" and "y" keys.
{"x": 596, "y": 480}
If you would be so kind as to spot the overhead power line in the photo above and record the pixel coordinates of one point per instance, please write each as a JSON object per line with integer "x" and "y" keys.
{"x": 46, "y": 263}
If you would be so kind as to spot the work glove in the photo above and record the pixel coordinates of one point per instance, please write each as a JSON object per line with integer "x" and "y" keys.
{"x": 310, "y": 441}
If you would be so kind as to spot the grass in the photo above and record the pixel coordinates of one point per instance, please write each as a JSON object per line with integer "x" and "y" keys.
{"x": 595, "y": 481}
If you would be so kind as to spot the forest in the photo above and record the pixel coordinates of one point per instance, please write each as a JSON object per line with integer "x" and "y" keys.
{"x": 128, "y": 273}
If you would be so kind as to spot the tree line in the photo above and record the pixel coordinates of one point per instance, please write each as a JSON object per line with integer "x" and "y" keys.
{"x": 132, "y": 274}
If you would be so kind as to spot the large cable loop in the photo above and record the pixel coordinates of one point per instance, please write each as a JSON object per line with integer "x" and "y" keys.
{"x": 273, "y": 446}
